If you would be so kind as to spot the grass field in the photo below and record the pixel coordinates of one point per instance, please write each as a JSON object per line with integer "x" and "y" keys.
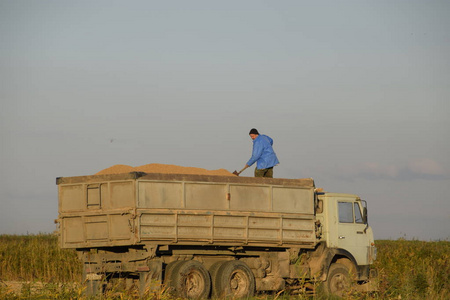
{"x": 34, "y": 267}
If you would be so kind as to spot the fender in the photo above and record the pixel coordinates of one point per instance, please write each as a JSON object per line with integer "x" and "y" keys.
{"x": 323, "y": 257}
{"x": 362, "y": 271}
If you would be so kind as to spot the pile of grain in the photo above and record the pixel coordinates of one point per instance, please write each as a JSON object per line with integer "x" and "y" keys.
{"x": 162, "y": 168}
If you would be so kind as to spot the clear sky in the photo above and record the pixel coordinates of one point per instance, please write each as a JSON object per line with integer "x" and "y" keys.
{"x": 355, "y": 94}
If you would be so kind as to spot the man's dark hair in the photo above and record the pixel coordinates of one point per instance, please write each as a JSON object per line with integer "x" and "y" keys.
{"x": 254, "y": 131}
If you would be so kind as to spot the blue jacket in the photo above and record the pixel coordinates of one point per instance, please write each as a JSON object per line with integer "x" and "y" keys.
{"x": 263, "y": 154}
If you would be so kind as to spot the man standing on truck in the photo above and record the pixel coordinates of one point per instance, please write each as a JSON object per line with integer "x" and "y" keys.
{"x": 262, "y": 154}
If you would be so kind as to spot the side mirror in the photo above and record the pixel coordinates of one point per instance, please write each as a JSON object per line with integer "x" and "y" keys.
{"x": 365, "y": 215}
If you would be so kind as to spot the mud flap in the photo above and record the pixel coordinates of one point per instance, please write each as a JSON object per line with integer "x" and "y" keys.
{"x": 150, "y": 282}
{"x": 94, "y": 284}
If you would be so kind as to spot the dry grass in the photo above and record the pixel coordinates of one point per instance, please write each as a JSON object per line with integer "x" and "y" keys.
{"x": 37, "y": 258}
{"x": 407, "y": 270}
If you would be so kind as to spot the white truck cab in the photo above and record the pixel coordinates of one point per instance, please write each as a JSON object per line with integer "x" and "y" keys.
{"x": 345, "y": 229}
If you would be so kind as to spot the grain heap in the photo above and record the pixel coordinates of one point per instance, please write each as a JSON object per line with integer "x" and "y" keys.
{"x": 162, "y": 168}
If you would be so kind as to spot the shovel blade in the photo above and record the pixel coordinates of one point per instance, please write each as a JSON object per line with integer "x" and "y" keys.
{"x": 236, "y": 173}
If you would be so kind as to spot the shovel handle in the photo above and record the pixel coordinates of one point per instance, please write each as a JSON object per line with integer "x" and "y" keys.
{"x": 243, "y": 169}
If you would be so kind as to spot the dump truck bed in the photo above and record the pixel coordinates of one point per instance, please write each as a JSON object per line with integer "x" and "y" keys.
{"x": 175, "y": 209}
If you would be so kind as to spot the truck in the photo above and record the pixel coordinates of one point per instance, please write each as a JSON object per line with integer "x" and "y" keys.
{"x": 201, "y": 236}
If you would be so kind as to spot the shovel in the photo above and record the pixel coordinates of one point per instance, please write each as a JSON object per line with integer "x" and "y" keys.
{"x": 237, "y": 173}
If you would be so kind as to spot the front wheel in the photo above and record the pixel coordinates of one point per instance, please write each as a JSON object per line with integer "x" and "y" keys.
{"x": 339, "y": 281}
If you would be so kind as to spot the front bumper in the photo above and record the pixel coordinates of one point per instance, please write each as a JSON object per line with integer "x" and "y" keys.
{"x": 370, "y": 285}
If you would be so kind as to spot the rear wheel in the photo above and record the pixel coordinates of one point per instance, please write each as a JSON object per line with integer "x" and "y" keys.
{"x": 234, "y": 279}
{"x": 213, "y": 270}
{"x": 168, "y": 275}
{"x": 191, "y": 280}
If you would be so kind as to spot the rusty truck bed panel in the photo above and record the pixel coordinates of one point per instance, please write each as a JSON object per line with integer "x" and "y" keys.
{"x": 139, "y": 208}
{"x": 258, "y": 229}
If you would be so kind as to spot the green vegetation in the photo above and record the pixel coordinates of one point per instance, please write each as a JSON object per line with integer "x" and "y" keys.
{"x": 413, "y": 269}
{"x": 407, "y": 270}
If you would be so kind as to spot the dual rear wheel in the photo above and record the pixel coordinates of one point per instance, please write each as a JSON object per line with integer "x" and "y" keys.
{"x": 232, "y": 278}
{"x": 190, "y": 279}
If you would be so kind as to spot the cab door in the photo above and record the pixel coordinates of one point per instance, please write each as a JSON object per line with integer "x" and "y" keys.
{"x": 352, "y": 234}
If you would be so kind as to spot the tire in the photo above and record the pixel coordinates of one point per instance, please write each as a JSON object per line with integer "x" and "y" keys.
{"x": 213, "y": 270}
{"x": 168, "y": 275}
{"x": 234, "y": 279}
{"x": 191, "y": 280}
{"x": 338, "y": 281}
